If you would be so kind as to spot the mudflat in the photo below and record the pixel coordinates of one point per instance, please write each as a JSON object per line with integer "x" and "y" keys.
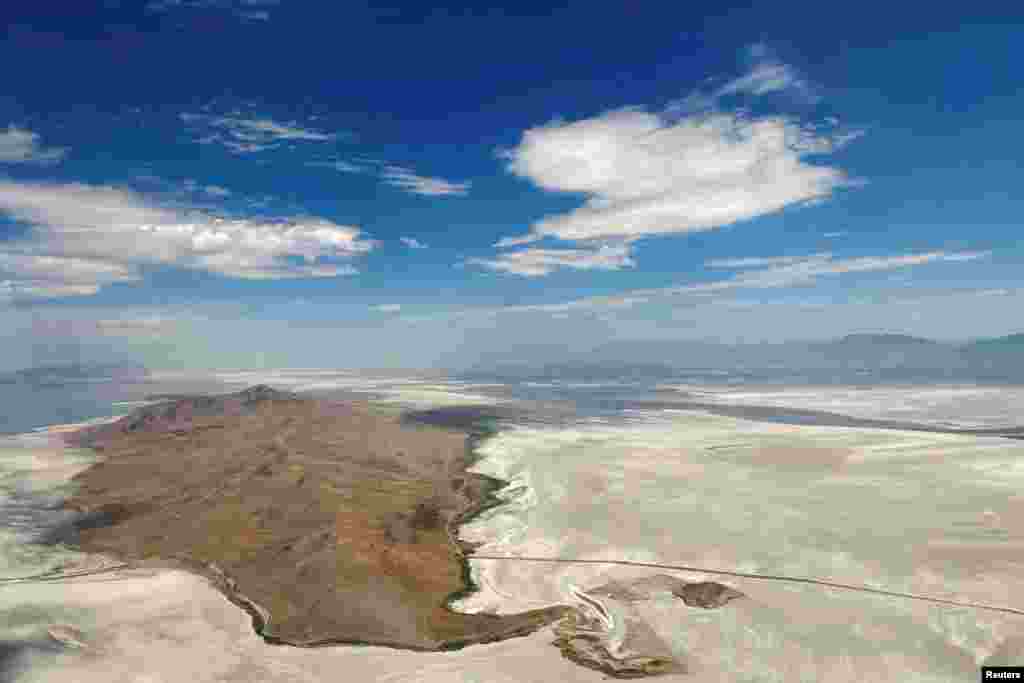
{"x": 331, "y": 522}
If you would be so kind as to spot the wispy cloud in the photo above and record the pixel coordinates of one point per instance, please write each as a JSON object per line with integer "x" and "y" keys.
{"x": 243, "y": 135}
{"x": 412, "y": 243}
{"x": 388, "y": 308}
{"x": 753, "y": 262}
{"x": 762, "y": 79}
{"x": 213, "y": 191}
{"x": 768, "y": 273}
{"x": 48, "y": 275}
{"x": 765, "y": 74}
{"x": 21, "y": 146}
{"x": 146, "y": 326}
{"x": 788, "y": 271}
{"x": 537, "y": 262}
{"x": 406, "y": 179}
{"x": 248, "y": 10}
{"x": 648, "y": 173}
{"x": 340, "y": 166}
{"x": 402, "y": 177}
{"x": 86, "y": 236}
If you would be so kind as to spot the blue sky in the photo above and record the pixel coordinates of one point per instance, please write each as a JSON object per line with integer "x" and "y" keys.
{"x": 243, "y": 183}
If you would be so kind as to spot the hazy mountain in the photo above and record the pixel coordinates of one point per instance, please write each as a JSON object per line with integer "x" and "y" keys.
{"x": 870, "y": 357}
{"x": 888, "y": 351}
{"x": 884, "y": 340}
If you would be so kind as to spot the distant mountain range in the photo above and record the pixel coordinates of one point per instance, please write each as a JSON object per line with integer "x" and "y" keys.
{"x": 855, "y": 357}
{"x": 58, "y": 375}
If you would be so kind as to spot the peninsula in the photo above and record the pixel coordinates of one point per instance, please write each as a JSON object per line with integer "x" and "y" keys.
{"x": 330, "y": 522}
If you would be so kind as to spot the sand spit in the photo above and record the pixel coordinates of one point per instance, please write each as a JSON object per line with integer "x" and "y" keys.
{"x": 608, "y": 635}
{"x": 328, "y": 522}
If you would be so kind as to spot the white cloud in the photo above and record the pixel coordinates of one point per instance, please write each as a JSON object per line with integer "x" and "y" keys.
{"x": 412, "y": 243}
{"x": 85, "y": 236}
{"x": 405, "y": 179}
{"x": 645, "y": 174}
{"x": 800, "y": 271}
{"x": 515, "y": 241}
{"x": 817, "y": 265}
{"x": 763, "y": 78}
{"x": 537, "y": 262}
{"x": 46, "y": 275}
{"x": 388, "y": 308}
{"x": 250, "y": 135}
{"x": 21, "y": 146}
{"x": 753, "y": 262}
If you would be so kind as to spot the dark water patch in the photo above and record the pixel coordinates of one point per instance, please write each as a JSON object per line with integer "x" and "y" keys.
{"x": 472, "y": 419}
{"x": 14, "y": 654}
{"x": 819, "y": 418}
{"x": 67, "y": 531}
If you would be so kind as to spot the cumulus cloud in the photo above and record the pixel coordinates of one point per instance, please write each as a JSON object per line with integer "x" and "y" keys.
{"x": 243, "y": 135}
{"x": 86, "y": 236}
{"x": 21, "y": 146}
{"x": 409, "y": 181}
{"x": 388, "y": 308}
{"x": 412, "y": 243}
{"x": 536, "y": 262}
{"x": 646, "y": 173}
